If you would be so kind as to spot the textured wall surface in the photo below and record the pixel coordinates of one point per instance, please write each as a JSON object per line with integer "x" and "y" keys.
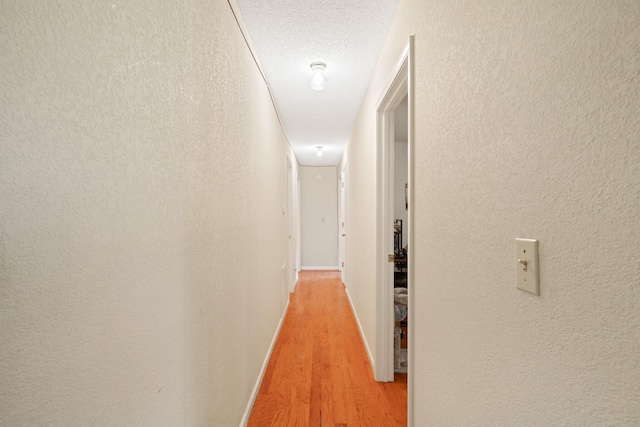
{"x": 142, "y": 174}
{"x": 319, "y": 217}
{"x": 526, "y": 125}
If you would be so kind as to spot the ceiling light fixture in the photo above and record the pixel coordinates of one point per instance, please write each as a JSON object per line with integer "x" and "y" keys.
{"x": 319, "y": 152}
{"x": 318, "y": 79}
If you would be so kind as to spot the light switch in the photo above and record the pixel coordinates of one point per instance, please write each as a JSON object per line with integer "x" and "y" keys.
{"x": 527, "y": 272}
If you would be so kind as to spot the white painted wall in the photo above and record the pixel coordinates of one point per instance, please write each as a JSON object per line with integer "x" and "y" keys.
{"x": 401, "y": 167}
{"x": 319, "y": 217}
{"x": 400, "y": 179}
{"x": 142, "y": 176}
{"x": 400, "y": 117}
{"x": 526, "y": 125}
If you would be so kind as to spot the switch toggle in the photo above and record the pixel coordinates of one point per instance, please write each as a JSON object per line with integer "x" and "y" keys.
{"x": 524, "y": 263}
{"x": 527, "y": 273}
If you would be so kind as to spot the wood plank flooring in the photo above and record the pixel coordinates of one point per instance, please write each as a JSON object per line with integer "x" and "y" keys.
{"x": 319, "y": 373}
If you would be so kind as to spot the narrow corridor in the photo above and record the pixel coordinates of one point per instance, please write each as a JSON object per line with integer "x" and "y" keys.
{"x": 319, "y": 373}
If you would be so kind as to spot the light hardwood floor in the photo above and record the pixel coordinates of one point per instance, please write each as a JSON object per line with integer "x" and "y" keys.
{"x": 319, "y": 373}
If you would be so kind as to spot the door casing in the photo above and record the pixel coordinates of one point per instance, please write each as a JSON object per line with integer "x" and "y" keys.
{"x": 292, "y": 265}
{"x": 400, "y": 84}
{"x": 342, "y": 226}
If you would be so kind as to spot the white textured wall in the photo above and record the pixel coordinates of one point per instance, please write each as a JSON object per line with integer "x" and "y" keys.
{"x": 319, "y": 217}
{"x": 142, "y": 176}
{"x": 526, "y": 125}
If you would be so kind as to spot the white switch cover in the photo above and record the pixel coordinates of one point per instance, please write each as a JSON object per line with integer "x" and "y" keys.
{"x": 527, "y": 272}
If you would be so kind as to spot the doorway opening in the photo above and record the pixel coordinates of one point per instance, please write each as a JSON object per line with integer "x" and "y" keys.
{"x": 394, "y": 235}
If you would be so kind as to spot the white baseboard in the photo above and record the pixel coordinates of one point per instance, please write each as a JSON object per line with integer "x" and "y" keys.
{"x": 320, "y": 267}
{"x": 256, "y": 387}
{"x": 364, "y": 338}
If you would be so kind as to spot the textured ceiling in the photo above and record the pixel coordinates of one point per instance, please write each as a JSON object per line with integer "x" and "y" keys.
{"x": 347, "y": 35}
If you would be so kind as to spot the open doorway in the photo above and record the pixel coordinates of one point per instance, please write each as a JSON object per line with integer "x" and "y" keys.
{"x": 400, "y": 178}
{"x": 394, "y": 228}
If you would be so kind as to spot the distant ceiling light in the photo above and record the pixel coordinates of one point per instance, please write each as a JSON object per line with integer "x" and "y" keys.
{"x": 318, "y": 79}
{"x": 319, "y": 152}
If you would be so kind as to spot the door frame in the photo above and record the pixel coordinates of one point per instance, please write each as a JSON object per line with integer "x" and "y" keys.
{"x": 292, "y": 220}
{"x": 399, "y": 85}
{"x": 342, "y": 226}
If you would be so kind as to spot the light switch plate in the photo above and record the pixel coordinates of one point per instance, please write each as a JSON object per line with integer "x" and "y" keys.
{"x": 527, "y": 272}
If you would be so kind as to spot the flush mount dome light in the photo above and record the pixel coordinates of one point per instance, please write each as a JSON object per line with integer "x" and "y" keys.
{"x": 318, "y": 79}
{"x": 319, "y": 152}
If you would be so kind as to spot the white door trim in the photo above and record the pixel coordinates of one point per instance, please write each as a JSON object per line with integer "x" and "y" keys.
{"x": 342, "y": 225}
{"x": 292, "y": 268}
{"x": 400, "y": 84}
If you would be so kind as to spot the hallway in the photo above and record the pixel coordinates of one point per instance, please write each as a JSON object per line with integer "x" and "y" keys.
{"x": 151, "y": 201}
{"x": 319, "y": 374}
